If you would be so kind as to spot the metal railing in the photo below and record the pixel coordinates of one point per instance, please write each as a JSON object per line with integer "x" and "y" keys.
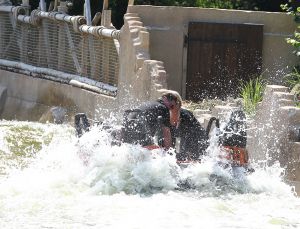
{"x": 62, "y": 43}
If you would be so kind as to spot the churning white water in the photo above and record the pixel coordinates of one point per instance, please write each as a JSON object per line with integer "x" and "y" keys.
{"x": 50, "y": 179}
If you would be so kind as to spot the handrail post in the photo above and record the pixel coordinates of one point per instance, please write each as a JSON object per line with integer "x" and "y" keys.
{"x": 24, "y": 34}
{"x": 62, "y": 7}
{"x": 106, "y": 15}
{"x": 61, "y": 37}
{"x": 130, "y": 2}
{"x": 26, "y": 6}
{"x": 105, "y": 5}
{"x": 43, "y": 5}
{"x": 88, "y": 12}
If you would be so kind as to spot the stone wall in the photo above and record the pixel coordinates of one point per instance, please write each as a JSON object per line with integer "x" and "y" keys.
{"x": 274, "y": 132}
{"x": 140, "y": 77}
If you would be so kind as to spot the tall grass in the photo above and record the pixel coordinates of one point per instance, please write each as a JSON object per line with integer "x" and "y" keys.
{"x": 252, "y": 94}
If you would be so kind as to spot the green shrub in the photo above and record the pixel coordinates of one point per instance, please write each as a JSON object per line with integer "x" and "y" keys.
{"x": 293, "y": 78}
{"x": 295, "y": 40}
{"x": 252, "y": 94}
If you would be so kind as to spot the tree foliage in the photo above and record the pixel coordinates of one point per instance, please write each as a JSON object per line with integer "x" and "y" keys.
{"x": 186, "y": 3}
{"x": 119, "y": 7}
{"x": 292, "y": 80}
{"x": 262, "y": 5}
{"x": 295, "y": 40}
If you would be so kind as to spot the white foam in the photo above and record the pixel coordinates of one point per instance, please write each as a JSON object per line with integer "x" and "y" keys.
{"x": 128, "y": 187}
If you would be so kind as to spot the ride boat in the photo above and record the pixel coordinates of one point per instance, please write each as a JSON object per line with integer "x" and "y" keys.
{"x": 232, "y": 140}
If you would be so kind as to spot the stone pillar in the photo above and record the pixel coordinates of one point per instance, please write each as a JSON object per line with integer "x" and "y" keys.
{"x": 140, "y": 78}
{"x": 266, "y": 127}
{"x": 290, "y": 146}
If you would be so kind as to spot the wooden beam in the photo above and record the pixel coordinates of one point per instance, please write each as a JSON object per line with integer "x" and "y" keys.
{"x": 105, "y": 5}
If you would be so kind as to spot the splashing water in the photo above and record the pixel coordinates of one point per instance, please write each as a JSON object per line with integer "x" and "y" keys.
{"x": 50, "y": 179}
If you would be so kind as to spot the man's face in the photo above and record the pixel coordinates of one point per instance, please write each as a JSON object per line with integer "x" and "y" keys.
{"x": 172, "y": 105}
{"x": 175, "y": 114}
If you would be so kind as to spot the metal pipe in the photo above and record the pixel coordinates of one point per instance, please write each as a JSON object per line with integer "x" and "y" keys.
{"x": 105, "y": 5}
{"x": 100, "y": 31}
{"x": 88, "y": 12}
{"x": 130, "y": 2}
{"x": 95, "y": 30}
{"x": 24, "y": 18}
{"x": 75, "y": 80}
{"x": 43, "y": 5}
{"x": 7, "y": 9}
{"x": 56, "y": 15}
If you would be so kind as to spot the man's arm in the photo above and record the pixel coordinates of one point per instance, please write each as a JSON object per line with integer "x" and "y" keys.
{"x": 167, "y": 143}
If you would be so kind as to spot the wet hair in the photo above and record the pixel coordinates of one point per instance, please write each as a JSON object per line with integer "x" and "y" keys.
{"x": 172, "y": 96}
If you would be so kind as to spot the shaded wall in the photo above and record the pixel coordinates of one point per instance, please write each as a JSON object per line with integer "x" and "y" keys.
{"x": 28, "y": 98}
{"x": 169, "y": 25}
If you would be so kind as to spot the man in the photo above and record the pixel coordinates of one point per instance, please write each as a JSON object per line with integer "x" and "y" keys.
{"x": 151, "y": 119}
{"x": 193, "y": 137}
{"x": 163, "y": 119}
{"x": 166, "y": 120}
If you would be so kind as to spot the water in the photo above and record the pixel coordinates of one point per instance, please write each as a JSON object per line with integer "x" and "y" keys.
{"x": 49, "y": 179}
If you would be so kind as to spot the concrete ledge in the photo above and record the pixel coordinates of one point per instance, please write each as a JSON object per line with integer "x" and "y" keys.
{"x": 199, "y": 112}
{"x": 28, "y": 98}
{"x": 275, "y": 88}
{"x": 223, "y": 112}
{"x": 284, "y": 96}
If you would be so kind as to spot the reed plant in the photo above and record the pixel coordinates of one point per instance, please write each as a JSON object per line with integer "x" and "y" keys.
{"x": 252, "y": 93}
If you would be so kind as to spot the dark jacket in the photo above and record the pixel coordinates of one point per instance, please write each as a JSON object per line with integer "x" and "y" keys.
{"x": 193, "y": 137}
{"x": 143, "y": 123}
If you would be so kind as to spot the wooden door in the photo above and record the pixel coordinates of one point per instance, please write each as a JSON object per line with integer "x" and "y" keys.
{"x": 220, "y": 55}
